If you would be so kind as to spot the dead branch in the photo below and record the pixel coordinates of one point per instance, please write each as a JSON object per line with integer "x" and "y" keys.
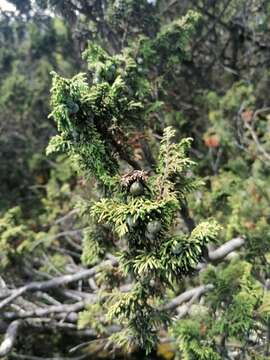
{"x": 55, "y": 282}
{"x": 10, "y": 338}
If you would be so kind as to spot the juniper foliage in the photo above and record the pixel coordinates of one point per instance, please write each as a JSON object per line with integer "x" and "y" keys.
{"x": 140, "y": 207}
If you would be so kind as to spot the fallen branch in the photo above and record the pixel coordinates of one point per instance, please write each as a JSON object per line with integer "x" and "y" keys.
{"x": 56, "y": 282}
{"x": 10, "y": 338}
{"x": 55, "y": 309}
{"x": 213, "y": 256}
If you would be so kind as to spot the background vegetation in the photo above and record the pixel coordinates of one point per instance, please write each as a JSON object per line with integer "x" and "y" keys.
{"x": 125, "y": 237}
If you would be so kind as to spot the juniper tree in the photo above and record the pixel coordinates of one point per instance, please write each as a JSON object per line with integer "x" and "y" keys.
{"x": 139, "y": 179}
{"x": 139, "y": 206}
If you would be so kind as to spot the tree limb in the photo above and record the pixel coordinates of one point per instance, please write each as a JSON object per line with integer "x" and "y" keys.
{"x": 225, "y": 249}
{"x": 187, "y": 296}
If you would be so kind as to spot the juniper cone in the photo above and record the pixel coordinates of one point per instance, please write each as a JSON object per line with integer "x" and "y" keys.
{"x": 154, "y": 227}
{"x": 136, "y": 189}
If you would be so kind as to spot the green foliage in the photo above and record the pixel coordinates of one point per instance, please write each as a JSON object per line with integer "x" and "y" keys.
{"x": 55, "y": 265}
{"x": 90, "y": 317}
{"x": 234, "y": 300}
{"x": 15, "y": 236}
{"x": 140, "y": 209}
{"x": 125, "y": 73}
{"x": 80, "y": 138}
{"x": 92, "y": 119}
{"x": 235, "y": 287}
{"x": 95, "y": 244}
{"x": 30, "y": 49}
{"x": 194, "y": 343}
{"x": 170, "y": 45}
{"x": 172, "y": 163}
{"x": 153, "y": 258}
{"x": 143, "y": 319}
{"x": 222, "y": 110}
{"x": 121, "y": 12}
{"x": 143, "y": 219}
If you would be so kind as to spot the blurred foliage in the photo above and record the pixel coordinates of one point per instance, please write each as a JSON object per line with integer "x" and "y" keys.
{"x": 29, "y": 51}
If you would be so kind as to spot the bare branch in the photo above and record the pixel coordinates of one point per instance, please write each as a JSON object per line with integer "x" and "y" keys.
{"x": 221, "y": 252}
{"x": 257, "y": 142}
{"x": 184, "y": 309}
{"x": 225, "y": 249}
{"x": 10, "y": 338}
{"x": 67, "y": 216}
{"x": 40, "y": 312}
{"x": 187, "y": 296}
{"x": 56, "y": 282}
